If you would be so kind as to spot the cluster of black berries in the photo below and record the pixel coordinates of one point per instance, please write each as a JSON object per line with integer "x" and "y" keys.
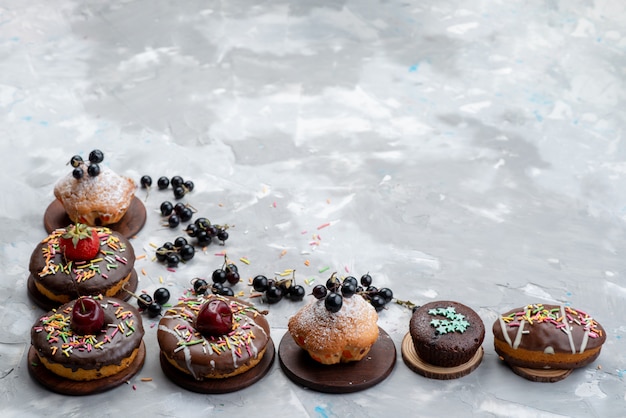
{"x": 336, "y": 289}
{"x": 228, "y": 273}
{"x": 204, "y": 232}
{"x": 180, "y": 186}
{"x": 173, "y": 253}
{"x": 153, "y": 305}
{"x": 275, "y": 290}
{"x": 93, "y": 168}
{"x": 177, "y": 213}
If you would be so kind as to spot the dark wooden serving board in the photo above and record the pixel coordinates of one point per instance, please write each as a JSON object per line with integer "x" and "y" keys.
{"x": 338, "y": 378}
{"x": 65, "y": 386}
{"x": 225, "y": 385}
{"x": 541, "y": 375}
{"x": 55, "y": 217}
{"x": 415, "y": 363}
{"x": 48, "y": 304}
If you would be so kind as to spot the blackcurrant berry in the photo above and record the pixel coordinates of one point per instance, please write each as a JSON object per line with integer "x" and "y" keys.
{"x": 203, "y": 238}
{"x": 259, "y": 283}
{"x": 78, "y": 173}
{"x": 180, "y": 241}
{"x": 161, "y": 253}
{"x": 93, "y": 170}
{"x": 187, "y": 252}
{"x": 351, "y": 279}
{"x": 202, "y": 223}
{"x": 386, "y": 294}
{"x": 172, "y": 260}
{"x": 232, "y": 267}
{"x": 222, "y": 235}
{"x": 179, "y": 192}
{"x": 188, "y": 185}
{"x": 186, "y": 214}
{"x": 177, "y": 181}
{"x": 191, "y": 230}
{"x": 178, "y": 207}
{"x": 378, "y": 302}
{"x": 200, "y": 286}
{"x": 348, "y": 289}
{"x": 232, "y": 277}
{"x": 163, "y": 183}
{"x": 333, "y": 284}
{"x": 168, "y": 245}
{"x": 166, "y": 208}
{"x": 76, "y": 160}
{"x": 144, "y": 301}
{"x": 96, "y": 156}
{"x": 146, "y": 182}
{"x": 366, "y": 280}
{"x": 227, "y": 291}
{"x": 274, "y": 294}
{"x": 297, "y": 293}
{"x": 319, "y": 291}
{"x": 219, "y": 276}
{"x": 217, "y": 288}
{"x": 161, "y": 295}
{"x": 173, "y": 221}
{"x": 154, "y": 310}
{"x": 371, "y": 290}
{"x": 333, "y": 302}
{"x": 211, "y": 231}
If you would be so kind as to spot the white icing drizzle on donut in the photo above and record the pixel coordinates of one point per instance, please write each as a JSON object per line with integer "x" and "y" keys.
{"x": 583, "y": 344}
{"x": 185, "y": 349}
{"x": 518, "y": 336}
{"x": 568, "y": 330}
{"x": 505, "y": 333}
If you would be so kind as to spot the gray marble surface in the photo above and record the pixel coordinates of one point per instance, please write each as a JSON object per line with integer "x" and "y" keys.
{"x": 470, "y": 151}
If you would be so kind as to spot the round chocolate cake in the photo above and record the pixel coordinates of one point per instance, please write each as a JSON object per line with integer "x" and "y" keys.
{"x": 74, "y": 356}
{"x": 213, "y": 357}
{"x": 61, "y": 280}
{"x": 446, "y": 333}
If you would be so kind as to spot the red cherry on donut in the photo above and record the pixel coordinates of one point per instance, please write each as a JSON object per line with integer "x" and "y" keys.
{"x": 87, "y": 316}
{"x": 214, "y": 318}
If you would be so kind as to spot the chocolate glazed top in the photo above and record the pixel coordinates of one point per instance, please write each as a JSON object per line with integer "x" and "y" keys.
{"x": 550, "y": 329}
{"x": 434, "y": 324}
{"x": 121, "y": 334}
{"x": 114, "y": 262}
{"x": 204, "y": 356}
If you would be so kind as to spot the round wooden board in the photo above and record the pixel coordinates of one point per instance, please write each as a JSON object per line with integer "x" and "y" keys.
{"x": 338, "y": 378}
{"x": 48, "y": 304}
{"x": 541, "y": 375}
{"x": 65, "y": 386}
{"x": 55, "y": 217}
{"x": 415, "y": 363}
{"x": 225, "y": 385}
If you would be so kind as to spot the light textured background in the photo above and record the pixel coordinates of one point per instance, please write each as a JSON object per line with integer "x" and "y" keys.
{"x": 471, "y": 151}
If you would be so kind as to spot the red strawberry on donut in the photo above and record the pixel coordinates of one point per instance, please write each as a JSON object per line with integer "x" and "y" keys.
{"x": 79, "y": 242}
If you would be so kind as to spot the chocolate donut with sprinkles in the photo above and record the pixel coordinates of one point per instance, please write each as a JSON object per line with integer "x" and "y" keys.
{"x": 62, "y": 277}
{"x": 212, "y": 336}
{"x": 548, "y": 337}
{"x": 83, "y": 354}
